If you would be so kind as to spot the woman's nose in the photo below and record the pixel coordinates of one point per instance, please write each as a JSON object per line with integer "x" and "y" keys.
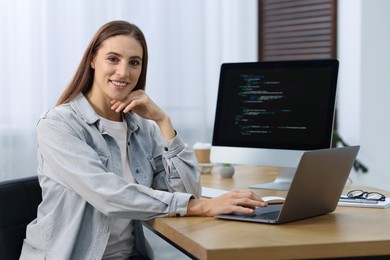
{"x": 122, "y": 69}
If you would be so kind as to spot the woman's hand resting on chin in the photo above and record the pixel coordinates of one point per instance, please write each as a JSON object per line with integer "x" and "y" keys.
{"x": 140, "y": 103}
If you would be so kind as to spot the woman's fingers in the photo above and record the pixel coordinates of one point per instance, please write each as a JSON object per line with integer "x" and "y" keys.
{"x": 245, "y": 197}
{"x": 242, "y": 201}
{"x": 119, "y": 106}
{"x": 139, "y": 103}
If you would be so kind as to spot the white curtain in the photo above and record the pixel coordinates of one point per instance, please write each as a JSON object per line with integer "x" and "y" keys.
{"x": 42, "y": 42}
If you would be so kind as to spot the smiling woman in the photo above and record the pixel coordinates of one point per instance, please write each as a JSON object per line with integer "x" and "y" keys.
{"x": 96, "y": 160}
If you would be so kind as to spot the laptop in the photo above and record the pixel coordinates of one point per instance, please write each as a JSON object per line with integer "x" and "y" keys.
{"x": 315, "y": 190}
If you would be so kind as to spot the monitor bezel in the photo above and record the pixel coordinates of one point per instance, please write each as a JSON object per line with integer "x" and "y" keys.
{"x": 325, "y": 141}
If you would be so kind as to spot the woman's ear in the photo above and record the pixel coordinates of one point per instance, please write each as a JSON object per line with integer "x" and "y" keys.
{"x": 93, "y": 63}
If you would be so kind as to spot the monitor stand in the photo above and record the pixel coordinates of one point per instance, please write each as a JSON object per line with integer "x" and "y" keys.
{"x": 282, "y": 181}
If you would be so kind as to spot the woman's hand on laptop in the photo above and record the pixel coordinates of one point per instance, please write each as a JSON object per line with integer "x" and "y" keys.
{"x": 241, "y": 201}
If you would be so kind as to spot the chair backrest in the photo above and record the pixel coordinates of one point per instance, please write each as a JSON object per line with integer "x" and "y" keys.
{"x": 19, "y": 200}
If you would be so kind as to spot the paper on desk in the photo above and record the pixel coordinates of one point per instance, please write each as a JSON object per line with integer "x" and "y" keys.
{"x": 380, "y": 204}
{"x": 211, "y": 193}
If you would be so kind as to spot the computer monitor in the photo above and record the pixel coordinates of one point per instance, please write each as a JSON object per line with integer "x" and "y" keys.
{"x": 269, "y": 113}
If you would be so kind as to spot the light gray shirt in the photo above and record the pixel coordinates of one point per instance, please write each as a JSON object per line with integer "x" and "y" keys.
{"x": 121, "y": 229}
{"x": 79, "y": 170}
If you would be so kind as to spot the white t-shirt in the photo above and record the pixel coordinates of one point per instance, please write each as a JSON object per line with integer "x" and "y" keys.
{"x": 121, "y": 240}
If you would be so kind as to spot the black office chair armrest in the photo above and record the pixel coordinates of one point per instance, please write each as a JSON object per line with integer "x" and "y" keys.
{"x": 19, "y": 200}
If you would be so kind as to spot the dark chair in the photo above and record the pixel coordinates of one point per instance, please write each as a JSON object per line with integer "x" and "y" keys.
{"x": 19, "y": 200}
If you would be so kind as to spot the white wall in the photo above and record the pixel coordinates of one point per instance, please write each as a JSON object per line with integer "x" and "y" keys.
{"x": 364, "y": 85}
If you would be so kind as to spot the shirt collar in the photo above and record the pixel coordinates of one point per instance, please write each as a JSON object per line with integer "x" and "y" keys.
{"x": 84, "y": 109}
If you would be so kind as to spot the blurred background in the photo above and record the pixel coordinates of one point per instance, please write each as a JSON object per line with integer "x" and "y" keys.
{"x": 42, "y": 42}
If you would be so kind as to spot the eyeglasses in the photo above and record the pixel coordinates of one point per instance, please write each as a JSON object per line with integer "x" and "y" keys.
{"x": 360, "y": 194}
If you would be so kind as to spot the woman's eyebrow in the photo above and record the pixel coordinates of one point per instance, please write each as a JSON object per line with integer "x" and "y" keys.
{"x": 113, "y": 53}
{"x": 136, "y": 57}
{"x": 119, "y": 55}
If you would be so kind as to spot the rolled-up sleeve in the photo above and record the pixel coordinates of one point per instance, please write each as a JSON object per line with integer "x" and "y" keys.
{"x": 180, "y": 163}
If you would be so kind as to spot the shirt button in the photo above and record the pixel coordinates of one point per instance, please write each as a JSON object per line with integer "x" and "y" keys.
{"x": 166, "y": 149}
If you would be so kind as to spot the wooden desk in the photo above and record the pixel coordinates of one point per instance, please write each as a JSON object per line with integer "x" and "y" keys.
{"x": 347, "y": 232}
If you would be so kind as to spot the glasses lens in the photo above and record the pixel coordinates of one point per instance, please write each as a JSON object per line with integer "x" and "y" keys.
{"x": 374, "y": 196}
{"x": 355, "y": 193}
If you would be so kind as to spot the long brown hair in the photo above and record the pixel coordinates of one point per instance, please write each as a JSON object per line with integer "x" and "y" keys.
{"x": 83, "y": 78}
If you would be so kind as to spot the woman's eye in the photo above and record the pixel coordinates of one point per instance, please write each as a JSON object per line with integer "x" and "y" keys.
{"x": 135, "y": 62}
{"x": 113, "y": 59}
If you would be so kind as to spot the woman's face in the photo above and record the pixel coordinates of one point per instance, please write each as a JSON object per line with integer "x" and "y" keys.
{"x": 118, "y": 65}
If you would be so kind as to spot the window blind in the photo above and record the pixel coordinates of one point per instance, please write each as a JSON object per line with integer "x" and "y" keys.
{"x": 297, "y": 29}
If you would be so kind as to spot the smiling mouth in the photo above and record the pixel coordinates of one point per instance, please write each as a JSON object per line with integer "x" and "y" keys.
{"x": 119, "y": 84}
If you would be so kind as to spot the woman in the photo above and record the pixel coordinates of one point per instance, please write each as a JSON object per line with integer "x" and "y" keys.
{"x": 109, "y": 158}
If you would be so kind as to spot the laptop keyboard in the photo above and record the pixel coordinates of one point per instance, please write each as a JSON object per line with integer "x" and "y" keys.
{"x": 270, "y": 215}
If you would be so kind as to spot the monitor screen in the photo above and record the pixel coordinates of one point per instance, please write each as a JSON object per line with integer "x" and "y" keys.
{"x": 279, "y": 109}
